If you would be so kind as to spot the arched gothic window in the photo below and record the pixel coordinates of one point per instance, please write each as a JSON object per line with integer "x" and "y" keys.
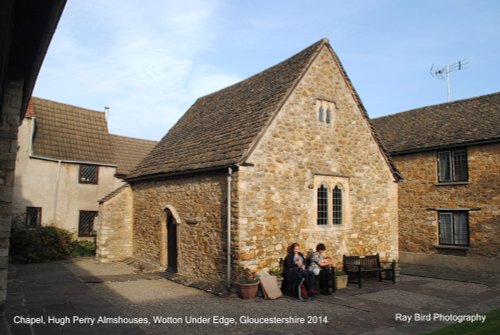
{"x": 322, "y": 205}
{"x": 328, "y": 116}
{"x": 337, "y": 205}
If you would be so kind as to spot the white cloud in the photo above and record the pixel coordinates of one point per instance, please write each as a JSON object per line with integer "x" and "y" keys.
{"x": 135, "y": 58}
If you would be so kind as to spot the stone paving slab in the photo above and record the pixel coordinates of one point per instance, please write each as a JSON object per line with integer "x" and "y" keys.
{"x": 65, "y": 288}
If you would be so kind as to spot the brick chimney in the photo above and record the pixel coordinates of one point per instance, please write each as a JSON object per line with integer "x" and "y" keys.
{"x": 30, "y": 111}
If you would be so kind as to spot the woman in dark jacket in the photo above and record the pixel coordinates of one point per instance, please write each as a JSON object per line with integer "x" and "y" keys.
{"x": 295, "y": 270}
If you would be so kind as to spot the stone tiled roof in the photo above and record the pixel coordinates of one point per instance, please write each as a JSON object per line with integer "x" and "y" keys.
{"x": 475, "y": 120}
{"x": 112, "y": 194}
{"x": 65, "y": 132}
{"x": 220, "y": 129}
{"x": 128, "y": 152}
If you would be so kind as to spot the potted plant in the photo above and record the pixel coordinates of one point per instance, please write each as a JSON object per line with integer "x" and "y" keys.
{"x": 277, "y": 271}
{"x": 340, "y": 279}
{"x": 248, "y": 282}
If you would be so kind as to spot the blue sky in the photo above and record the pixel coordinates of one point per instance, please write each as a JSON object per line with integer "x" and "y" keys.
{"x": 149, "y": 60}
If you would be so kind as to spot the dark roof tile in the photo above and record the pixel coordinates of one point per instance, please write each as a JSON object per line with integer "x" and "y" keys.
{"x": 450, "y": 124}
{"x": 65, "y": 132}
{"x": 220, "y": 128}
{"x": 128, "y": 152}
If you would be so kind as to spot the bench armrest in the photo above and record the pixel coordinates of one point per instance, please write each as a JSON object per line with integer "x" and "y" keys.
{"x": 393, "y": 264}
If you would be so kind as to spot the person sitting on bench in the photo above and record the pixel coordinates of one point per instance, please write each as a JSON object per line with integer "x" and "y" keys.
{"x": 320, "y": 265}
{"x": 295, "y": 259}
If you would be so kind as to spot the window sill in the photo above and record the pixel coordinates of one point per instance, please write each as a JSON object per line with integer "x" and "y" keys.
{"x": 451, "y": 183}
{"x": 330, "y": 227}
{"x": 454, "y": 247}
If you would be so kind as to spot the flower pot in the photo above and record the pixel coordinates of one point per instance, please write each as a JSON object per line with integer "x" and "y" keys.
{"x": 341, "y": 281}
{"x": 248, "y": 291}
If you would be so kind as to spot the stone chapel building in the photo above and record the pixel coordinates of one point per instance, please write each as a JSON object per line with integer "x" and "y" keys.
{"x": 287, "y": 155}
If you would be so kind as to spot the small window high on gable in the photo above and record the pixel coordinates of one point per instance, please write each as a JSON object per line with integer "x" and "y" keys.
{"x": 328, "y": 118}
{"x": 324, "y": 110}
{"x": 320, "y": 112}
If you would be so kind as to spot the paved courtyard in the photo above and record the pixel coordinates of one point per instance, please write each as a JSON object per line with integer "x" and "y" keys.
{"x": 68, "y": 297}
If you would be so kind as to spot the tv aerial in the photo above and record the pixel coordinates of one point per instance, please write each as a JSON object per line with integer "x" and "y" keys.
{"x": 444, "y": 72}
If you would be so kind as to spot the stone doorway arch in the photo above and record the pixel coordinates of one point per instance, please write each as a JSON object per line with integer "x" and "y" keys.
{"x": 169, "y": 239}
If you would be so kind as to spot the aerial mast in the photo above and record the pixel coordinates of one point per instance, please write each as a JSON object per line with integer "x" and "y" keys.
{"x": 444, "y": 73}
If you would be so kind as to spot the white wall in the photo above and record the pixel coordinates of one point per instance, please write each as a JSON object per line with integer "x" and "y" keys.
{"x": 37, "y": 184}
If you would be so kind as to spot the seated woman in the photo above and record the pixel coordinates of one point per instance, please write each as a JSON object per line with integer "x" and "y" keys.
{"x": 320, "y": 265}
{"x": 295, "y": 270}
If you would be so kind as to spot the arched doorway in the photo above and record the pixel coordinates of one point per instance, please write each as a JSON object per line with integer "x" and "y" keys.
{"x": 171, "y": 239}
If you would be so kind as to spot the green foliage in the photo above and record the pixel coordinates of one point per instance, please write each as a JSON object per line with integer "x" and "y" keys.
{"x": 276, "y": 271}
{"x": 83, "y": 248}
{"x": 44, "y": 244}
{"x": 340, "y": 273}
{"x": 490, "y": 326}
{"x": 247, "y": 276}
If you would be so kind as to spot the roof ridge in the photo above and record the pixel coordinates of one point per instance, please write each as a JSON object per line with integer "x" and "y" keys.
{"x": 462, "y": 122}
{"x": 133, "y": 138}
{"x": 449, "y": 103}
{"x": 68, "y": 105}
{"x": 241, "y": 113}
{"x": 318, "y": 43}
{"x": 316, "y": 47}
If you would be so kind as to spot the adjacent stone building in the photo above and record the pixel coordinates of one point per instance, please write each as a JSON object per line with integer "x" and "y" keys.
{"x": 449, "y": 200}
{"x": 66, "y": 162}
{"x": 287, "y": 155}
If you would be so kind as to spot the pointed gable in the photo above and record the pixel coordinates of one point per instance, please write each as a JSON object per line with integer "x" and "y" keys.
{"x": 220, "y": 129}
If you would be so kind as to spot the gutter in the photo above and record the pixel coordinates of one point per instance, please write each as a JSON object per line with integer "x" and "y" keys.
{"x": 31, "y": 155}
{"x": 59, "y": 163}
{"x": 443, "y": 147}
{"x": 178, "y": 173}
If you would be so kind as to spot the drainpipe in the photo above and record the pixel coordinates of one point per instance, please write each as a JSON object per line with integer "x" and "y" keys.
{"x": 56, "y": 195}
{"x": 229, "y": 179}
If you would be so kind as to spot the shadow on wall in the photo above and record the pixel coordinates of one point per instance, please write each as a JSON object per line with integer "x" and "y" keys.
{"x": 20, "y": 207}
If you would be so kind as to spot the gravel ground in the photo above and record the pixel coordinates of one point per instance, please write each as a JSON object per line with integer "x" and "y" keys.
{"x": 172, "y": 308}
{"x": 151, "y": 298}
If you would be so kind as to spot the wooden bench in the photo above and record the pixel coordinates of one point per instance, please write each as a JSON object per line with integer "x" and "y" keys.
{"x": 358, "y": 267}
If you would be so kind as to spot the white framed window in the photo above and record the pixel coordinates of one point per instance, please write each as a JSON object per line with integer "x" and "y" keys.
{"x": 325, "y": 111}
{"x": 330, "y": 208}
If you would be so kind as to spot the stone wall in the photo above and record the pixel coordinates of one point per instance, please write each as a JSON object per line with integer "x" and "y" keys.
{"x": 277, "y": 193}
{"x": 198, "y": 203}
{"x": 9, "y": 123}
{"x": 115, "y": 226}
{"x": 419, "y": 195}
